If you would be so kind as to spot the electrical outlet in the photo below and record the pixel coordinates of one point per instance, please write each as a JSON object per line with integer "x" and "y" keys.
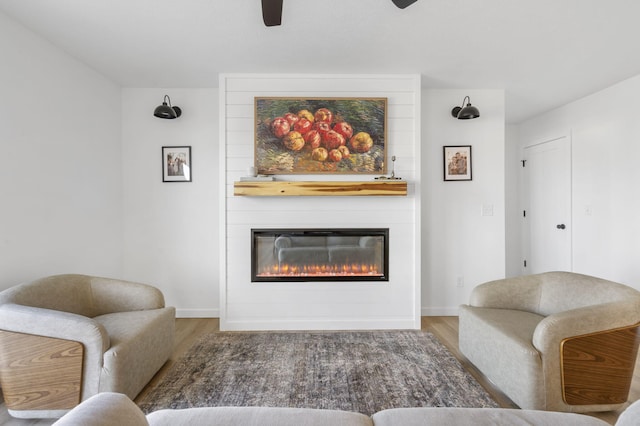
{"x": 487, "y": 210}
{"x": 460, "y": 282}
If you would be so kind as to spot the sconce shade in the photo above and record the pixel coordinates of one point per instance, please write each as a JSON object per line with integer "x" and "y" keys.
{"x": 166, "y": 110}
{"x": 465, "y": 112}
{"x": 403, "y": 3}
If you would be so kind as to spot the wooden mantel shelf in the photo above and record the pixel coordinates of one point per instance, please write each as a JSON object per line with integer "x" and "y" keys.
{"x": 306, "y": 188}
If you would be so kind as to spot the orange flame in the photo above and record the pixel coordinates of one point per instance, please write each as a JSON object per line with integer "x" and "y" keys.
{"x": 320, "y": 270}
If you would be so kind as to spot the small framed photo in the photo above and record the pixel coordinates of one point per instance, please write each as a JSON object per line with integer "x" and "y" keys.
{"x": 457, "y": 162}
{"x": 176, "y": 164}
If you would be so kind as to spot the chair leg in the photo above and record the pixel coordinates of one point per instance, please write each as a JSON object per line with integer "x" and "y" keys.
{"x": 40, "y": 373}
{"x": 598, "y": 368}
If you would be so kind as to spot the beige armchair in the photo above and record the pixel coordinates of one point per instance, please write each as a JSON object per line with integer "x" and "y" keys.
{"x": 65, "y": 338}
{"x": 555, "y": 341}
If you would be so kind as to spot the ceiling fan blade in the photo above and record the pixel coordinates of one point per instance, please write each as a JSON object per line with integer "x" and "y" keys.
{"x": 272, "y": 12}
{"x": 403, "y": 3}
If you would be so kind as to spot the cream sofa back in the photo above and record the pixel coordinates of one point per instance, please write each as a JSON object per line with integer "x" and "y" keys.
{"x": 108, "y": 409}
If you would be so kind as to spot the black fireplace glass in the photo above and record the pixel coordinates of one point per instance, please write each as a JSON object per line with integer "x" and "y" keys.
{"x": 353, "y": 254}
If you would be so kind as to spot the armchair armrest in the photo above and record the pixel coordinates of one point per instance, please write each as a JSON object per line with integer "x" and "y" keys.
{"x": 62, "y": 325}
{"x": 576, "y": 322}
{"x": 588, "y": 354}
{"x": 58, "y": 324}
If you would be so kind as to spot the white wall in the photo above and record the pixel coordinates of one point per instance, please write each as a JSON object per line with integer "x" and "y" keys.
{"x": 60, "y": 178}
{"x": 171, "y": 228}
{"x": 320, "y": 305}
{"x": 458, "y": 242}
{"x": 605, "y": 131}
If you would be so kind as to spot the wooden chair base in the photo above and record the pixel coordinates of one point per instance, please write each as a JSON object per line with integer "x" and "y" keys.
{"x": 40, "y": 373}
{"x": 598, "y": 368}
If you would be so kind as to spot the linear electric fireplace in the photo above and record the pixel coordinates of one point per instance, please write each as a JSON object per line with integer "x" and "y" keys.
{"x": 355, "y": 254}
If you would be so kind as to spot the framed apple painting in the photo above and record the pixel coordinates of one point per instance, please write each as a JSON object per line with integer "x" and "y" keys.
{"x": 320, "y": 135}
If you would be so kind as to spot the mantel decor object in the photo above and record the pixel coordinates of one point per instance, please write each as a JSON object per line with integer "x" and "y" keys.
{"x": 392, "y": 176}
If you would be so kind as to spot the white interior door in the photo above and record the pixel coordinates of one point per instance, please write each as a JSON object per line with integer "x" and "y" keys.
{"x": 547, "y": 215}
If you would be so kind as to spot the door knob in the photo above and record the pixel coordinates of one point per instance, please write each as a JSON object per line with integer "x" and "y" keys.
{"x": 561, "y": 226}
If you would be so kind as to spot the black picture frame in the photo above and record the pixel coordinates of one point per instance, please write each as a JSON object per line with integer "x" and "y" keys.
{"x": 457, "y": 164}
{"x": 176, "y": 164}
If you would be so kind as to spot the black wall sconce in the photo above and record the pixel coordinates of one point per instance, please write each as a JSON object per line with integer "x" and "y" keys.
{"x": 465, "y": 112}
{"x": 166, "y": 110}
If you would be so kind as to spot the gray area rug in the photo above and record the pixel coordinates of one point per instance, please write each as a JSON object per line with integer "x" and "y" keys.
{"x": 355, "y": 371}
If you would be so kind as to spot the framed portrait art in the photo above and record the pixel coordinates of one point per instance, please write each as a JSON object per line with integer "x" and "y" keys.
{"x": 320, "y": 135}
{"x": 457, "y": 162}
{"x": 176, "y": 164}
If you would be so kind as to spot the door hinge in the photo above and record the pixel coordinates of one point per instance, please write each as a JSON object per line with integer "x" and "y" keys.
{"x": 525, "y": 263}
{"x": 524, "y": 213}
{"x": 523, "y": 162}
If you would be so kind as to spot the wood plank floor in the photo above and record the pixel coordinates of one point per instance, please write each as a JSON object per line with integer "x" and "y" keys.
{"x": 188, "y": 330}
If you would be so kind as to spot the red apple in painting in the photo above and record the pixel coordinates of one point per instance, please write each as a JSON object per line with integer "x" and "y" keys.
{"x": 361, "y": 142}
{"x": 344, "y": 151}
{"x": 321, "y": 127}
{"x": 312, "y": 139}
{"x": 280, "y": 127}
{"x": 344, "y": 129}
{"x": 291, "y": 118}
{"x": 305, "y": 113}
{"x": 332, "y": 140}
{"x": 319, "y": 154}
{"x": 323, "y": 114}
{"x": 302, "y": 126}
{"x": 335, "y": 155}
{"x": 294, "y": 141}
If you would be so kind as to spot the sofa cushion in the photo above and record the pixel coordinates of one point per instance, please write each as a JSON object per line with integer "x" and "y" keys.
{"x": 257, "y": 416}
{"x": 479, "y": 417}
{"x": 105, "y": 409}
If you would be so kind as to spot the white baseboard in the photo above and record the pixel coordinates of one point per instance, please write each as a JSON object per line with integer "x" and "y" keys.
{"x": 343, "y": 324}
{"x": 439, "y": 312}
{"x": 215, "y": 313}
{"x": 197, "y": 313}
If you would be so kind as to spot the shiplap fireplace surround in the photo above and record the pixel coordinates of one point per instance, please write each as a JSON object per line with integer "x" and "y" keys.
{"x": 247, "y": 305}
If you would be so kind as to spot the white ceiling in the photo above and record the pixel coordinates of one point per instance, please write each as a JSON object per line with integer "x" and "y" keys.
{"x": 543, "y": 53}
